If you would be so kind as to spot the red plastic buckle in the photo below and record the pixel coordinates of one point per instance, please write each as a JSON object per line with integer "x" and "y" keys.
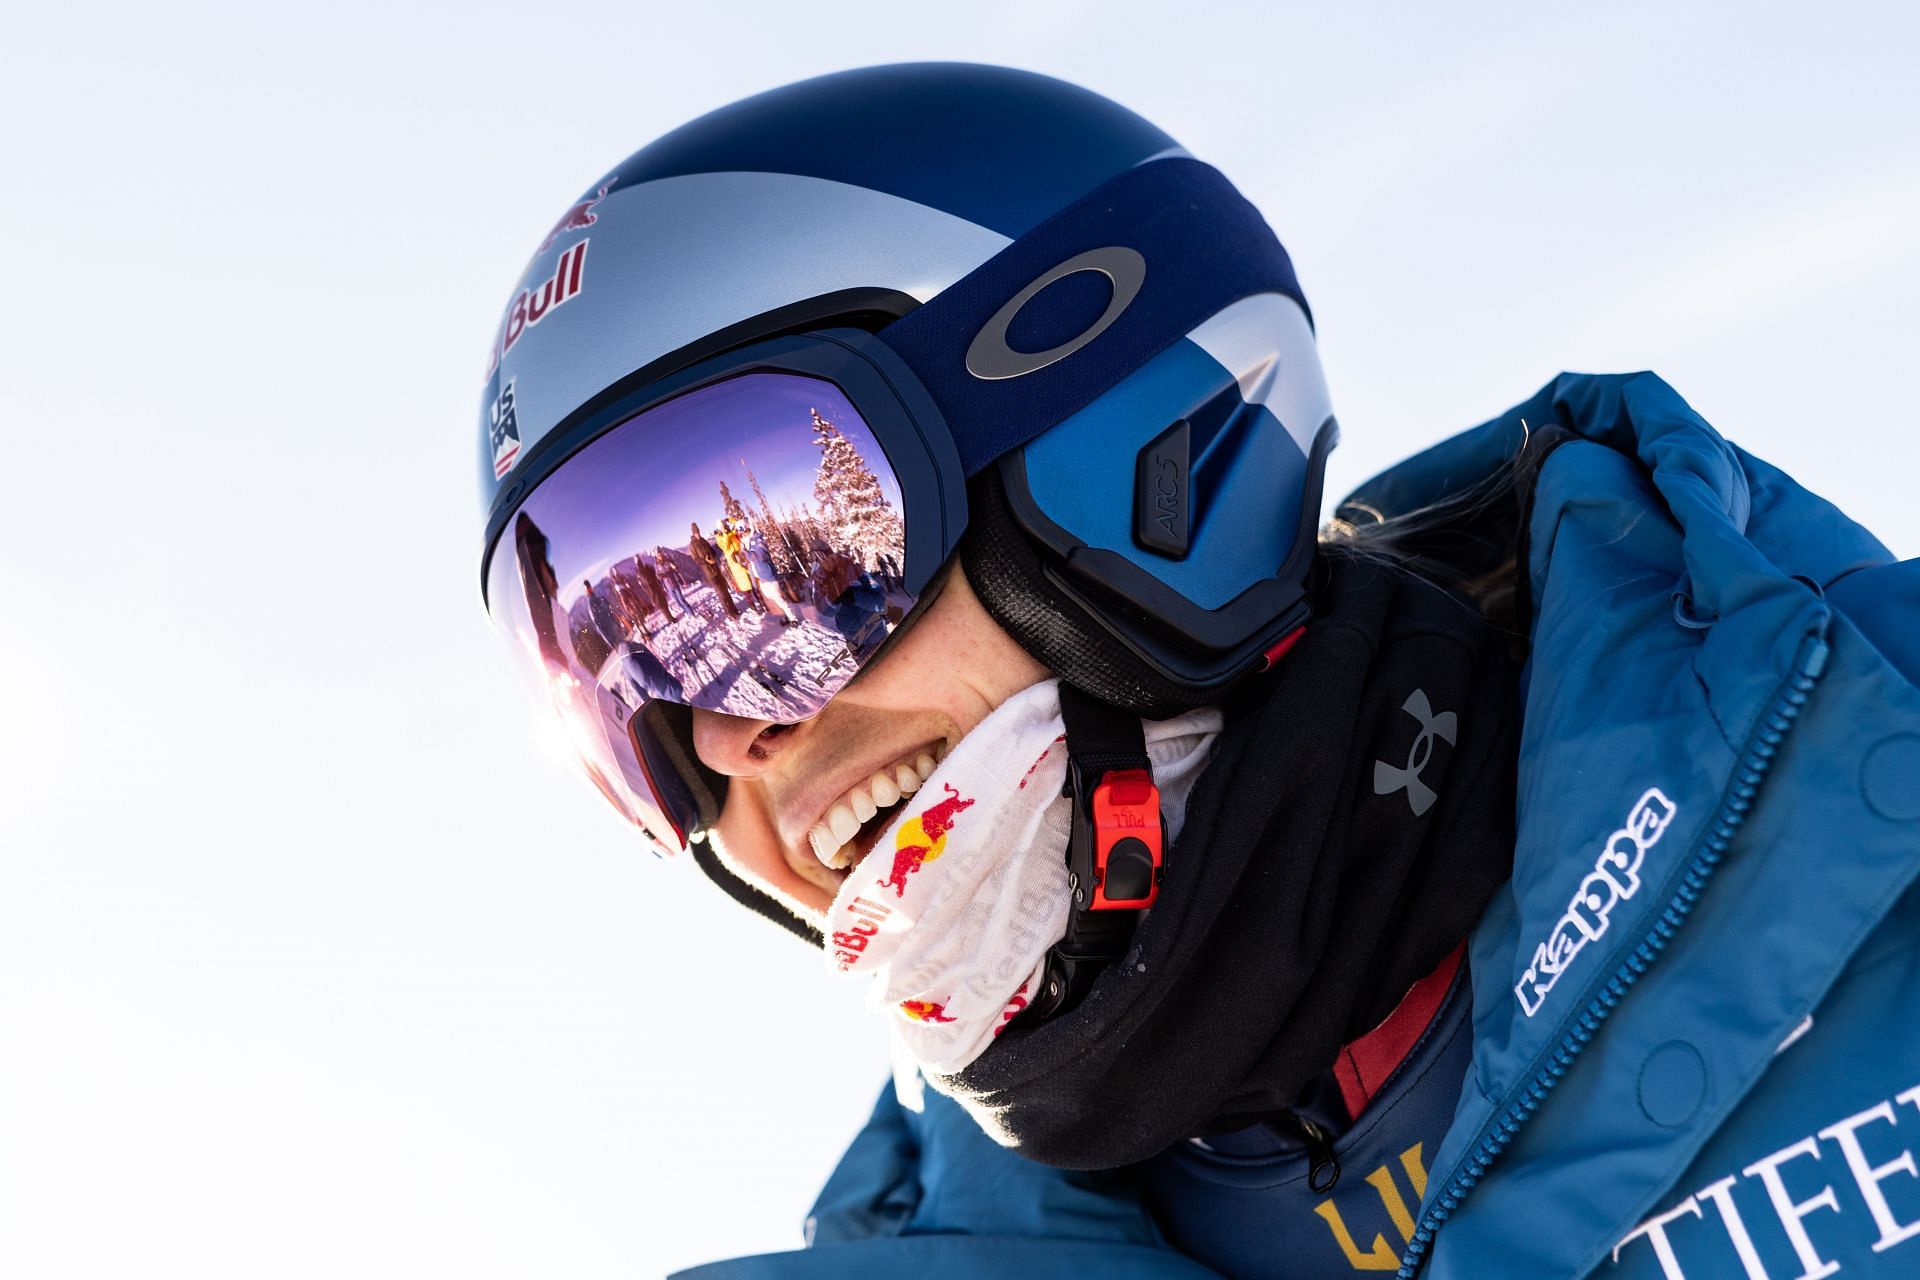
{"x": 1126, "y": 814}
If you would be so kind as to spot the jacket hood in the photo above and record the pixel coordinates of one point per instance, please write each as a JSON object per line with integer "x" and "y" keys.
{"x": 1711, "y": 693}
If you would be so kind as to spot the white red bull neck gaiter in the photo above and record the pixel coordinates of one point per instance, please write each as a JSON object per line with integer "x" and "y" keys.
{"x": 953, "y": 911}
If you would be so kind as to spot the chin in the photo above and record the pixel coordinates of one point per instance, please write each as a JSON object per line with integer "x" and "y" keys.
{"x": 807, "y": 900}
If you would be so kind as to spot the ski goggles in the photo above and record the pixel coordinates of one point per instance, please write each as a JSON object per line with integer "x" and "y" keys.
{"x": 742, "y": 538}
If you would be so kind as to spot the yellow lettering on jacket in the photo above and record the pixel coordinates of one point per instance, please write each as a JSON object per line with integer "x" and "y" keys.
{"x": 1382, "y": 1256}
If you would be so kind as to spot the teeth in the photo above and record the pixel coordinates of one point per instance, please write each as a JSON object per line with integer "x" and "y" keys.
{"x": 830, "y": 836}
{"x": 826, "y": 848}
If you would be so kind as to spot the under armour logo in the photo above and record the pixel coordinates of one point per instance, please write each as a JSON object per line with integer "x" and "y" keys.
{"x": 1388, "y": 779}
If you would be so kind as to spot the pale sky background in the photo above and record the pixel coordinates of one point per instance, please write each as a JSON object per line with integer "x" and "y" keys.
{"x": 312, "y": 962}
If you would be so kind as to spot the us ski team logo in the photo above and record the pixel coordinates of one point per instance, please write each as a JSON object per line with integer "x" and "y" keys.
{"x": 503, "y": 431}
{"x": 1614, "y": 879}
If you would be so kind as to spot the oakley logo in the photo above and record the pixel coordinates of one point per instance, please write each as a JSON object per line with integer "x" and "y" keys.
{"x": 991, "y": 359}
{"x": 1388, "y": 778}
{"x": 1615, "y": 878}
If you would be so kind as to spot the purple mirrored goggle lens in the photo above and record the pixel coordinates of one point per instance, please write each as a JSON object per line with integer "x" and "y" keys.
{"x": 738, "y": 548}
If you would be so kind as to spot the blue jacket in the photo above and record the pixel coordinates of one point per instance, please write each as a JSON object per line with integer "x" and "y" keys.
{"x": 1696, "y": 1007}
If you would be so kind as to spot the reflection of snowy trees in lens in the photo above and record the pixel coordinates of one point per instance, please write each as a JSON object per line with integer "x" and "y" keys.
{"x": 770, "y": 528}
{"x": 709, "y": 618}
{"x": 854, "y": 506}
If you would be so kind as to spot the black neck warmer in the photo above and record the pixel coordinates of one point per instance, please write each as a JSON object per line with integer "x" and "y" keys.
{"x": 1356, "y": 817}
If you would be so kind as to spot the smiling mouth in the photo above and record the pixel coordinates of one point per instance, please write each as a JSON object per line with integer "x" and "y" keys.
{"x": 854, "y": 821}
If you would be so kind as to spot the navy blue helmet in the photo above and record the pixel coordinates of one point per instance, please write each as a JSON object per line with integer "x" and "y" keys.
{"x": 769, "y": 374}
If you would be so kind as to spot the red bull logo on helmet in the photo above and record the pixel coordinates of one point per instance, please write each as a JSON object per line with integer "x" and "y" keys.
{"x": 578, "y": 218}
{"x": 922, "y": 838}
{"x": 531, "y": 306}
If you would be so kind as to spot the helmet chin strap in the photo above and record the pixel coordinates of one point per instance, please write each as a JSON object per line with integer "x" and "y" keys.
{"x": 1116, "y": 850}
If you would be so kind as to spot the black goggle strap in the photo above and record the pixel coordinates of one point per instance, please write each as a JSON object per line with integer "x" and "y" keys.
{"x": 1115, "y": 852}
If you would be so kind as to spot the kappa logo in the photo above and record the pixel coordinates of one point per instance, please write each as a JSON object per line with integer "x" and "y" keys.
{"x": 1614, "y": 879}
{"x": 1388, "y": 778}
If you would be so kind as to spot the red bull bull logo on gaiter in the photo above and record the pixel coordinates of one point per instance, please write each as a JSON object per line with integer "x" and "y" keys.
{"x": 923, "y": 838}
{"x": 925, "y": 1011}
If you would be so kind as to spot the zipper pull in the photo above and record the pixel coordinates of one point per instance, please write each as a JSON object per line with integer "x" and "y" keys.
{"x": 1323, "y": 1166}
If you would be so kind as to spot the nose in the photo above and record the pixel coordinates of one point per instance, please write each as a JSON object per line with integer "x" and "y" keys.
{"x": 735, "y": 746}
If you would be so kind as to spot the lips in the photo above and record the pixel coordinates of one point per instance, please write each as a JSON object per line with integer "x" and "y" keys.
{"x": 847, "y": 828}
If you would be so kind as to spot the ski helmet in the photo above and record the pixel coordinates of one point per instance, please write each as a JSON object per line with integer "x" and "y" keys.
{"x": 880, "y": 318}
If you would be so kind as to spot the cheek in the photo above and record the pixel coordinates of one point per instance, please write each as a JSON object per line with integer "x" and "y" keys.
{"x": 746, "y": 842}
{"x": 920, "y": 680}
{"x": 956, "y": 664}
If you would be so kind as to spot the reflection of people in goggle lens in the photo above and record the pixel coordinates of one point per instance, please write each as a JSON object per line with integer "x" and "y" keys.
{"x": 708, "y": 558}
{"x": 932, "y": 459}
{"x": 538, "y": 581}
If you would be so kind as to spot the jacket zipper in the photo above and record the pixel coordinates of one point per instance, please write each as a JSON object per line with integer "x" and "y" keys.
{"x": 1323, "y": 1163}
{"x": 1764, "y": 744}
